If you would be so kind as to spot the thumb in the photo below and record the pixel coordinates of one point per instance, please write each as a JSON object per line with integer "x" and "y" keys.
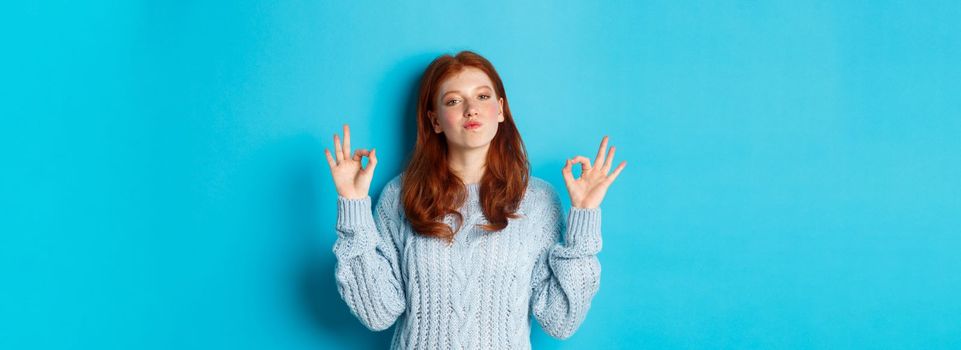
{"x": 566, "y": 171}
{"x": 359, "y": 154}
{"x": 372, "y": 163}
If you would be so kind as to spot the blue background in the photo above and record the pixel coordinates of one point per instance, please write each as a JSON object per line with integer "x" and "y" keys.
{"x": 792, "y": 180}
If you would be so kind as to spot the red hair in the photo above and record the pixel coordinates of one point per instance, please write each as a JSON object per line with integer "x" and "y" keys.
{"x": 431, "y": 190}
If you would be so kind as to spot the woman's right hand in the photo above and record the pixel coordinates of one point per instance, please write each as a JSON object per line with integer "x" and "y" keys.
{"x": 352, "y": 180}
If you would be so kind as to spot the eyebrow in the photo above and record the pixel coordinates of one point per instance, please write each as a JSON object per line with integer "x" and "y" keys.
{"x": 457, "y": 91}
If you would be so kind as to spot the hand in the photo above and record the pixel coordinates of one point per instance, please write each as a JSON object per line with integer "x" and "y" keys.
{"x": 588, "y": 191}
{"x": 351, "y": 180}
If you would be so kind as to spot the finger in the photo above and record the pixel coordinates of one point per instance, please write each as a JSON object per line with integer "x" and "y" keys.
{"x": 609, "y": 161}
{"x": 617, "y": 171}
{"x": 360, "y": 154}
{"x": 330, "y": 159}
{"x": 600, "y": 152}
{"x": 346, "y": 140}
{"x": 585, "y": 164}
{"x": 566, "y": 171}
{"x": 338, "y": 150}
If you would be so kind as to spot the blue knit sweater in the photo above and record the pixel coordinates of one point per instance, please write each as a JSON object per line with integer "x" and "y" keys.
{"x": 480, "y": 291}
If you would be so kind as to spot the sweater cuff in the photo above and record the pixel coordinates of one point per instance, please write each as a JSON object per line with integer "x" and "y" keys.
{"x": 584, "y": 230}
{"x": 354, "y": 217}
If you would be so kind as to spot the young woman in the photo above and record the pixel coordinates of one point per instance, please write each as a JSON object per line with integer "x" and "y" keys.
{"x": 464, "y": 245}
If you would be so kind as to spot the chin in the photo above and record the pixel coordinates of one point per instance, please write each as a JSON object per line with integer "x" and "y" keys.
{"x": 474, "y": 141}
{"x": 475, "y": 145}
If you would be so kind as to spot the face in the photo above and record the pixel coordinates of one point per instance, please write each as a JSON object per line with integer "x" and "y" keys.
{"x": 467, "y": 110}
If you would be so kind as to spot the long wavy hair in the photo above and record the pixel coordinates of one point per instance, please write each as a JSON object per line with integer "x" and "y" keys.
{"x": 431, "y": 191}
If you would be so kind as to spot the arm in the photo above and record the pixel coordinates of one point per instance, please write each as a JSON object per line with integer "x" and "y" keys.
{"x": 566, "y": 275}
{"x": 368, "y": 274}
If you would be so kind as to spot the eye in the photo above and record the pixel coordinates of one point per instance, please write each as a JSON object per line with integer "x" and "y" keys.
{"x": 484, "y": 97}
{"x": 450, "y": 102}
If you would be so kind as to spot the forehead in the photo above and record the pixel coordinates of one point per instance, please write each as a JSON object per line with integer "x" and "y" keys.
{"x": 466, "y": 80}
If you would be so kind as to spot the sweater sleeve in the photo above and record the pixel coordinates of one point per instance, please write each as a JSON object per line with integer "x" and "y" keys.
{"x": 367, "y": 272}
{"x": 566, "y": 275}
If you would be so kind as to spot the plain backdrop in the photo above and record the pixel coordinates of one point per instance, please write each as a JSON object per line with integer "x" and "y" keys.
{"x": 792, "y": 179}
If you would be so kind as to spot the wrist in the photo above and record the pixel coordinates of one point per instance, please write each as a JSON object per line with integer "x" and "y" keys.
{"x": 352, "y": 197}
{"x": 350, "y": 194}
{"x": 584, "y": 205}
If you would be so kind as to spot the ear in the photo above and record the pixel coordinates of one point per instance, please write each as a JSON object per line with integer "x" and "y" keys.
{"x": 500, "y": 112}
{"x": 433, "y": 122}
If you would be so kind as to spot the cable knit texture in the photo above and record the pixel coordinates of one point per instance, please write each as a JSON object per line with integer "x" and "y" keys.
{"x": 478, "y": 292}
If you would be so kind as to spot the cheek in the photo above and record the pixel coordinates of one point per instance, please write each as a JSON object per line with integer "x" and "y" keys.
{"x": 451, "y": 118}
{"x": 492, "y": 109}
{"x": 488, "y": 111}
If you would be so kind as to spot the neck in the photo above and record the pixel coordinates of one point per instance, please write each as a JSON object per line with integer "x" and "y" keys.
{"x": 468, "y": 164}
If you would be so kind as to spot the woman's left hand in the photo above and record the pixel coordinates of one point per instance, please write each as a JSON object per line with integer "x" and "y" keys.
{"x": 588, "y": 191}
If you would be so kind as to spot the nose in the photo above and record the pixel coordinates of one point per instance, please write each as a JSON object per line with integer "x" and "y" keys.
{"x": 471, "y": 111}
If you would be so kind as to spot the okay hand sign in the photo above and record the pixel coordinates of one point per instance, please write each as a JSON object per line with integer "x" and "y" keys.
{"x": 588, "y": 191}
{"x": 352, "y": 180}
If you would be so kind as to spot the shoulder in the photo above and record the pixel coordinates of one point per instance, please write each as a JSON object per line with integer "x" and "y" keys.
{"x": 390, "y": 194}
{"x": 538, "y": 187}
{"x": 544, "y": 208}
{"x": 395, "y": 184}
{"x": 540, "y": 192}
